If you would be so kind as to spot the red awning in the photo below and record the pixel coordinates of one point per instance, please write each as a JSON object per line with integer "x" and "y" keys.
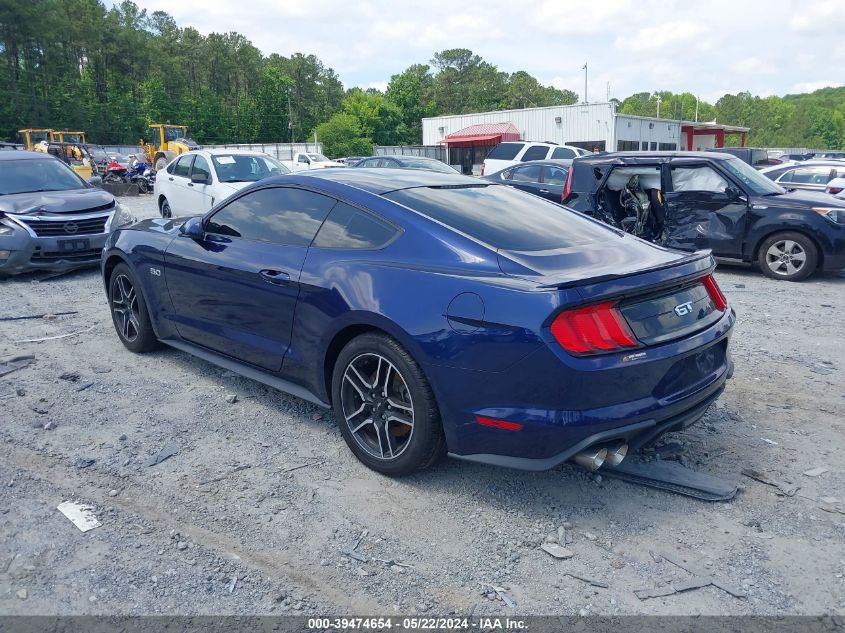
{"x": 482, "y": 134}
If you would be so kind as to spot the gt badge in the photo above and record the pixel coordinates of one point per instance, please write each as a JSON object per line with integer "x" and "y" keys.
{"x": 683, "y": 309}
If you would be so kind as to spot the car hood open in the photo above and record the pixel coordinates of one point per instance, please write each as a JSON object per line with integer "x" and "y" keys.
{"x": 70, "y": 201}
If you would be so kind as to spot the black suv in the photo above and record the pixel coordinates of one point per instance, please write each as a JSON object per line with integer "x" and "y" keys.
{"x": 695, "y": 200}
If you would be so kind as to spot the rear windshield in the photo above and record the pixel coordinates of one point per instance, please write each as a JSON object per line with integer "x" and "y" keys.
{"x": 48, "y": 174}
{"x": 502, "y": 217}
{"x": 505, "y": 151}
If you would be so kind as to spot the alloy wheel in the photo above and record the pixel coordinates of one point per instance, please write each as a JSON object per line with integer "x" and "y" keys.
{"x": 124, "y": 306}
{"x": 786, "y": 257}
{"x": 377, "y": 406}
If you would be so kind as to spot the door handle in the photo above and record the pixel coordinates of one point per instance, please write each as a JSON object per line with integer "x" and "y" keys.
{"x": 274, "y": 276}
{"x": 190, "y": 184}
{"x": 544, "y": 191}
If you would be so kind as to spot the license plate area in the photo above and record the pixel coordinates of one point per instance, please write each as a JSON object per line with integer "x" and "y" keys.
{"x": 74, "y": 245}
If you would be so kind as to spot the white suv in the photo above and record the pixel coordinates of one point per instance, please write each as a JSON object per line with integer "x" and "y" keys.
{"x": 513, "y": 152}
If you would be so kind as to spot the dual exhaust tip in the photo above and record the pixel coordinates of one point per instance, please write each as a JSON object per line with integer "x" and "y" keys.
{"x": 595, "y": 457}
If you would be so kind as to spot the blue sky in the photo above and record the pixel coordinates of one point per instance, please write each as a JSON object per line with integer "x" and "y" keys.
{"x": 705, "y": 47}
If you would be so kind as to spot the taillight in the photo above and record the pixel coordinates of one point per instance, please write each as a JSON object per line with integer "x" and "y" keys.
{"x": 835, "y": 190}
{"x": 719, "y": 300}
{"x": 593, "y": 329}
{"x": 567, "y": 188}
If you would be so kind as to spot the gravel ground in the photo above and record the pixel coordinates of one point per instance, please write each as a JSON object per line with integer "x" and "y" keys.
{"x": 256, "y": 511}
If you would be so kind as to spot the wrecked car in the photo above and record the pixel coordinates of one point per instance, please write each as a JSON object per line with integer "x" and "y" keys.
{"x": 50, "y": 218}
{"x": 707, "y": 200}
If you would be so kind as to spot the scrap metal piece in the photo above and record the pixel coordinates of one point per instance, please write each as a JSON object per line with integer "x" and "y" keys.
{"x": 8, "y": 365}
{"x": 165, "y": 452}
{"x": 722, "y": 583}
{"x": 589, "y": 581}
{"x": 784, "y": 487}
{"x": 556, "y": 550}
{"x": 659, "y": 592}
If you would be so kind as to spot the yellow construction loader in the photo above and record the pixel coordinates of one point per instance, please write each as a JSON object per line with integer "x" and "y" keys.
{"x": 165, "y": 142}
{"x": 31, "y": 136}
{"x": 66, "y": 136}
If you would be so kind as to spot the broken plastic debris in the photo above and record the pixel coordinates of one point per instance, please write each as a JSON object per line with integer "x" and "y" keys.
{"x": 556, "y": 550}
{"x": 81, "y": 516}
{"x": 815, "y": 472}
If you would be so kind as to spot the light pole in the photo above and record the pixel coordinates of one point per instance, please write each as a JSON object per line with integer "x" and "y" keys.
{"x": 658, "y": 105}
{"x": 585, "y": 82}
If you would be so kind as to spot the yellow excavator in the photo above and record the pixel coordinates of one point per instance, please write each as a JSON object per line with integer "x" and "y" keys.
{"x": 165, "y": 143}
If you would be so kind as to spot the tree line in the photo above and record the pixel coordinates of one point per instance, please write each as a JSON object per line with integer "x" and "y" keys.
{"x": 74, "y": 64}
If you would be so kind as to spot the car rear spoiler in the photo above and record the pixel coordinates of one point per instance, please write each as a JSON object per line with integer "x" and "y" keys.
{"x": 571, "y": 283}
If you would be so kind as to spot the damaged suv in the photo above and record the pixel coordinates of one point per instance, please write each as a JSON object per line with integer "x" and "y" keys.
{"x": 697, "y": 200}
{"x": 50, "y": 218}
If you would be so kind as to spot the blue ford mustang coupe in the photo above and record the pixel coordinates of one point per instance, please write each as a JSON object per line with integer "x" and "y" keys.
{"x": 434, "y": 313}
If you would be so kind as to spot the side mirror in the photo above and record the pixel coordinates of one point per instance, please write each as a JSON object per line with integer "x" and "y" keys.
{"x": 733, "y": 193}
{"x": 193, "y": 228}
{"x": 95, "y": 181}
{"x": 199, "y": 179}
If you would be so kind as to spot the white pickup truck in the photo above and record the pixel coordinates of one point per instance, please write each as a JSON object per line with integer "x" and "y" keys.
{"x": 309, "y": 160}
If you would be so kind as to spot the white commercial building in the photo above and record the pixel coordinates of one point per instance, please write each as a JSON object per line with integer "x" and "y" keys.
{"x": 592, "y": 126}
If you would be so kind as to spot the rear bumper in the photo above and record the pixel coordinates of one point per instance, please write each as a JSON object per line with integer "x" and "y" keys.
{"x": 564, "y": 406}
{"x": 636, "y": 435}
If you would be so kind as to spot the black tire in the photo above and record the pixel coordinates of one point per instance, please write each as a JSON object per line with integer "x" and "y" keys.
{"x": 788, "y": 256}
{"x": 405, "y": 449}
{"x": 129, "y": 311}
{"x": 164, "y": 208}
{"x": 143, "y": 186}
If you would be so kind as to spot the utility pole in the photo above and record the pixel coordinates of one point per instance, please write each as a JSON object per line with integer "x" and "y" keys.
{"x": 290, "y": 126}
{"x": 608, "y": 92}
{"x": 658, "y": 105}
{"x": 696, "y": 108}
{"x": 585, "y": 82}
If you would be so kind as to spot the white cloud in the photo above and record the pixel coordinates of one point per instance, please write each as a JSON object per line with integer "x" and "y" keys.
{"x": 658, "y": 36}
{"x": 753, "y": 66}
{"x": 381, "y": 86}
{"x": 810, "y": 86}
{"x": 816, "y": 16}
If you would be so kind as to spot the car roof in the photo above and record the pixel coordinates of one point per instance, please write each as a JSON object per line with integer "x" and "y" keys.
{"x": 18, "y": 155}
{"x": 405, "y": 157}
{"x": 220, "y": 151}
{"x": 563, "y": 162}
{"x": 608, "y": 157}
{"x": 378, "y": 180}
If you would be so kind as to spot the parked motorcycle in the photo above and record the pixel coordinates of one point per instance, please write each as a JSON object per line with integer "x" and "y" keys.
{"x": 141, "y": 175}
{"x": 115, "y": 172}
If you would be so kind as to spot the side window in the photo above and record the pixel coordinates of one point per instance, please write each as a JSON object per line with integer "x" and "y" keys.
{"x": 698, "y": 178}
{"x": 183, "y": 166}
{"x": 201, "y": 167}
{"x": 281, "y": 215}
{"x": 303, "y": 159}
{"x": 555, "y": 176}
{"x": 370, "y": 162}
{"x": 348, "y": 227}
{"x": 505, "y": 151}
{"x": 563, "y": 152}
{"x": 506, "y": 174}
{"x": 529, "y": 173}
{"x": 810, "y": 175}
{"x": 535, "y": 152}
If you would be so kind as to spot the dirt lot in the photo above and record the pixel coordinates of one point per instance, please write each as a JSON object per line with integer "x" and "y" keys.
{"x": 255, "y": 511}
